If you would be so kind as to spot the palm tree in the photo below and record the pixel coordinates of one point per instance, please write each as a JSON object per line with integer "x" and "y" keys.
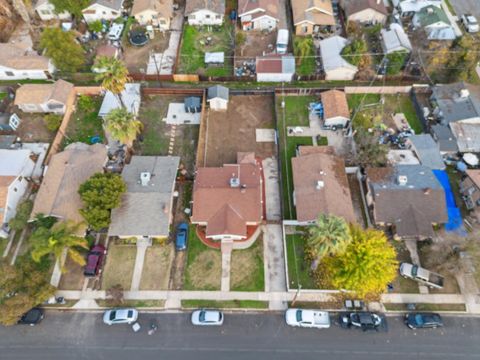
{"x": 303, "y": 47}
{"x": 114, "y": 75}
{"x": 55, "y": 240}
{"x": 329, "y": 235}
{"x": 122, "y": 126}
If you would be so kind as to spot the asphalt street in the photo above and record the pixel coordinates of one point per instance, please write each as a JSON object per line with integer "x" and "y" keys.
{"x": 76, "y": 335}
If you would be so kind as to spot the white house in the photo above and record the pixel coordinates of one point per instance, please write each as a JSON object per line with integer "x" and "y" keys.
{"x": 46, "y": 11}
{"x": 258, "y": 14}
{"x": 408, "y": 8}
{"x": 44, "y": 98}
{"x": 102, "y": 10}
{"x": 131, "y": 98}
{"x": 205, "y": 12}
{"x": 16, "y": 168}
{"x": 335, "y": 108}
{"x": 157, "y": 13}
{"x": 275, "y": 68}
{"x": 217, "y": 97}
{"x": 17, "y": 63}
{"x": 435, "y": 23}
{"x": 334, "y": 65}
{"x": 395, "y": 39}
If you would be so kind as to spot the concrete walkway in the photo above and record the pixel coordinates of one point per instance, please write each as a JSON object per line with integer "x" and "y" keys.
{"x": 227, "y": 247}
{"x": 272, "y": 189}
{"x": 142, "y": 246}
{"x": 274, "y": 263}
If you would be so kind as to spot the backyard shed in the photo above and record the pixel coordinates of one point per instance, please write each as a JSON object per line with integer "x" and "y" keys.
{"x": 275, "y": 68}
{"x": 192, "y": 104}
{"x": 335, "y": 108}
{"x": 218, "y": 97}
{"x": 214, "y": 58}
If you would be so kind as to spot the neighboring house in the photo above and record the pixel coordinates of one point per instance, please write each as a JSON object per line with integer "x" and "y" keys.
{"x": 435, "y": 23}
{"x": 17, "y": 63}
{"x": 131, "y": 98}
{"x": 275, "y": 68}
{"x": 146, "y": 207}
{"x": 335, "y": 109}
{"x": 444, "y": 138}
{"x": 16, "y": 168}
{"x": 427, "y": 151}
{"x": 395, "y": 39}
{"x": 103, "y": 10}
{"x": 205, "y": 12}
{"x": 470, "y": 189}
{"x": 365, "y": 11}
{"x": 457, "y": 107}
{"x": 44, "y": 98}
{"x": 334, "y": 65}
{"x": 258, "y": 14}
{"x": 408, "y": 8}
{"x": 46, "y": 11}
{"x": 229, "y": 199}
{"x": 67, "y": 170}
{"x": 409, "y": 198}
{"x": 158, "y": 13}
{"x": 312, "y": 16}
{"x": 218, "y": 97}
{"x": 320, "y": 185}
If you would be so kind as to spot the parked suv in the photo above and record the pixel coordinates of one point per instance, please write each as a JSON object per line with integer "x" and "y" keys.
{"x": 115, "y": 32}
{"x": 470, "y": 23}
{"x": 94, "y": 263}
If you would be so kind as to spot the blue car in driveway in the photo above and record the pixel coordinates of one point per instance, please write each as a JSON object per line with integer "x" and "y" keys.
{"x": 181, "y": 236}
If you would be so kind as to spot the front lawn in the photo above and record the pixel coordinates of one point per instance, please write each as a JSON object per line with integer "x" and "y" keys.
{"x": 156, "y": 268}
{"x": 197, "y": 41}
{"x": 247, "y": 268}
{"x": 298, "y": 267}
{"x": 203, "y": 270}
{"x": 119, "y": 266}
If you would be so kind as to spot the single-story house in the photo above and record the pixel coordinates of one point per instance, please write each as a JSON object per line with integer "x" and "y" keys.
{"x": 275, "y": 68}
{"x": 46, "y": 11}
{"x": 67, "y": 170}
{"x": 365, "y": 11}
{"x": 334, "y": 65}
{"x": 444, "y": 137}
{"x": 146, "y": 207}
{"x": 16, "y": 168}
{"x": 320, "y": 185}
{"x": 205, "y": 12}
{"x": 103, "y": 10}
{"x": 229, "y": 199}
{"x": 435, "y": 23}
{"x": 395, "y": 39}
{"x": 131, "y": 98}
{"x": 470, "y": 189}
{"x": 44, "y": 98}
{"x": 258, "y": 14}
{"x": 157, "y": 13}
{"x": 427, "y": 151}
{"x": 335, "y": 109}
{"x": 409, "y": 198}
{"x": 312, "y": 16}
{"x": 408, "y": 8}
{"x": 17, "y": 63}
{"x": 217, "y": 97}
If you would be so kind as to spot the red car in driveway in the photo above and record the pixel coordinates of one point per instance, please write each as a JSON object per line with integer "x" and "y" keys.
{"x": 95, "y": 260}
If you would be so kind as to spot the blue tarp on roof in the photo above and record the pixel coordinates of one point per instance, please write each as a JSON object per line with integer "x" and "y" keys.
{"x": 455, "y": 221}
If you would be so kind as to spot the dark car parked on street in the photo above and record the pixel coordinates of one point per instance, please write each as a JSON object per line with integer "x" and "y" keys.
{"x": 181, "y": 236}
{"x": 423, "y": 320}
{"x": 362, "y": 320}
{"x": 94, "y": 263}
{"x": 32, "y": 317}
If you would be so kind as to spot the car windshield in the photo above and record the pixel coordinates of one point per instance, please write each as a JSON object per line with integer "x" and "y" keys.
{"x": 201, "y": 317}
{"x": 112, "y": 315}
{"x": 419, "y": 319}
{"x": 299, "y": 315}
{"x": 130, "y": 314}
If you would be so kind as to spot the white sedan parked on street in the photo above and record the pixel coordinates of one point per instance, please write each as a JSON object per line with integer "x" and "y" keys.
{"x": 120, "y": 316}
{"x": 207, "y": 317}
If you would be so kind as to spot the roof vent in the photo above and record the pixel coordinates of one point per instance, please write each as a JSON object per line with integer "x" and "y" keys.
{"x": 320, "y": 184}
{"x": 402, "y": 180}
{"x": 145, "y": 178}
{"x": 234, "y": 182}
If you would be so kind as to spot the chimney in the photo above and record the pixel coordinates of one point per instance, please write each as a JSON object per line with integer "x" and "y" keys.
{"x": 402, "y": 180}
{"x": 320, "y": 184}
{"x": 145, "y": 178}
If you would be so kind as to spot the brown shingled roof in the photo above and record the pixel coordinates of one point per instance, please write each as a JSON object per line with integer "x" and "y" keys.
{"x": 14, "y": 57}
{"x": 334, "y": 104}
{"x": 355, "y": 6}
{"x": 270, "y": 6}
{"x": 318, "y": 12}
{"x": 42, "y": 93}
{"x": 217, "y": 6}
{"x": 163, "y": 7}
{"x": 321, "y": 186}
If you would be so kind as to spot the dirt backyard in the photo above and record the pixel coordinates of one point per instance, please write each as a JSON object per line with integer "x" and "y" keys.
{"x": 256, "y": 44}
{"x": 234, "y": 130}
{"x": 136, "y": 58}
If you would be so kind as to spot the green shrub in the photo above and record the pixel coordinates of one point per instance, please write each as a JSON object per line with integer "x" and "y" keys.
{"x": 86, "y": 103}
{"x": 53, "y": 122}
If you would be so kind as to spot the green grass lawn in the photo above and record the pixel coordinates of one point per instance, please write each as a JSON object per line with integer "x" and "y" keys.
{"x": 305, "y": 65}
{"x": 228, "y": 304}
{"x": 298, "y": 269}
{"x": 83, "y": 125}
{"x": 426, "y": 307}
{"x": 192, "y": 52}
{"x": 295, "y": 113}
{"x": 247, "y": 269}
{"x": 3, "y": 95}
{"x": 155, "y": 132}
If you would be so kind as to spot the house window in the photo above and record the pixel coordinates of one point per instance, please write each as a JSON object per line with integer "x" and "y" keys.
{"x": 9, "y": 73}
{"x": 218, "y": 17}
{"x": 30, "y": 106}
{"x": 305, "y": 29}
{"x": 55, "y": 106}
{"x": 45, "y": 12}
{"x": 104, "y": 12}
{"x": 207, "y": 16}
{"x": 163, "y": 22}
{"x": 15, "y": 189}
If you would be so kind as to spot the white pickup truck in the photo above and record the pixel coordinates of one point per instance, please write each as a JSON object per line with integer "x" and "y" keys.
{"x": 307, "y": 318}
{"x": 421, "y": 275}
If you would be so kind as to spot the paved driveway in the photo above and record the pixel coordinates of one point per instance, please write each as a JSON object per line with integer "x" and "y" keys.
{"x": 466, "y": 6}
